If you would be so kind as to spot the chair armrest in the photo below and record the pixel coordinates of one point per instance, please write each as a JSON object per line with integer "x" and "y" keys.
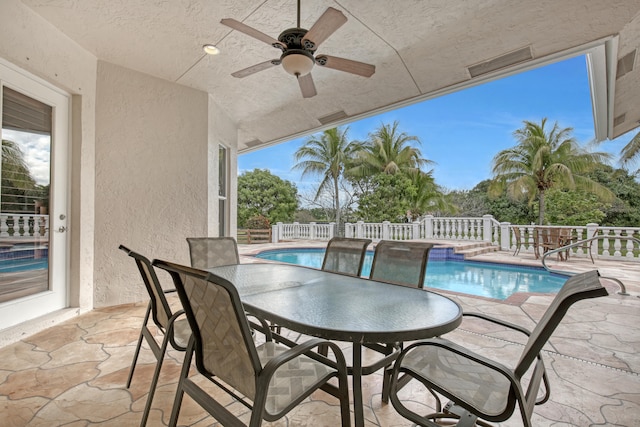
{"x": 340, "y": 364}
{"x": 262, "y": 327}
{"x": 499, "y": 322}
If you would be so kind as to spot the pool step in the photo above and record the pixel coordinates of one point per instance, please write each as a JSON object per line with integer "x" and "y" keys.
{"x": 475, "y": 248}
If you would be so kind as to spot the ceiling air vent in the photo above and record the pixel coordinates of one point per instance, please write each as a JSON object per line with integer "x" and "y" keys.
{"x": 253, "y": 143}
{"x": 625, "y": 64}
{"x": 503, "y": 61}
{"x": 619, "y": 120}
{"x": 333, "y": 117}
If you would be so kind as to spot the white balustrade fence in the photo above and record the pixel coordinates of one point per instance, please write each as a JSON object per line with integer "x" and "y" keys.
{"x": 485, "y": 229}
{"x": 297, "y": 231}
{"x": 17, "y": 226}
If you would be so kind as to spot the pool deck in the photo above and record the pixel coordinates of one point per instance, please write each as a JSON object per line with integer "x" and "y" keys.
{"x": 73, "y": 374}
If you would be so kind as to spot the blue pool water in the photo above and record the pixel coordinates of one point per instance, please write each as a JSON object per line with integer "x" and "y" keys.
{"x": 13, "y": 265}
{"x": 448, "y": 271}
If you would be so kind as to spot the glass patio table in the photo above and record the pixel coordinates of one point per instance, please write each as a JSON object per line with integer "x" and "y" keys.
{"x": 342, "y": 308}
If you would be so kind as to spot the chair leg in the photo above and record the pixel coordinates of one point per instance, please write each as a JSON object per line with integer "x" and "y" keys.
{"x": 156, "y": 376}
{"x": 184, "y": 374}
{"x": 137, "y": 353}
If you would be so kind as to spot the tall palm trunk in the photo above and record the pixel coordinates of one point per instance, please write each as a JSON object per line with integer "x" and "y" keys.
{"x": 541, "y": 208}
{"x": 337, "y": 204}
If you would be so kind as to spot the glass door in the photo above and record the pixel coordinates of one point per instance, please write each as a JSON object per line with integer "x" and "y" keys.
{"x": 33, "y": 197}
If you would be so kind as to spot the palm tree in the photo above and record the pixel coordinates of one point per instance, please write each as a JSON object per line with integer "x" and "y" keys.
{"x": 327, "y": 154}
{"x": 542, "y": 160}
{"x": 631, "y": 151}
{"x": 429, "y": 196}
{"x": 389, "y": 151}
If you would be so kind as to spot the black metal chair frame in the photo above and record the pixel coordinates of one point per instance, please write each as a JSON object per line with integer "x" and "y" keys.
{"x": 165, "y": 320}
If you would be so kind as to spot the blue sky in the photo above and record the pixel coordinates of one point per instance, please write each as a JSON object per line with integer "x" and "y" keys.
{"x": 463, "y": 131}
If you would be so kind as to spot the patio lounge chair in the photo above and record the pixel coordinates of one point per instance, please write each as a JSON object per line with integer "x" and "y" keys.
{"x": 478, "y": 387}
{"x": 209, "y": 252}
{"x": 274, "y": 377}
{"x": 174, "y": 326}
{"x": 345, "y": 255}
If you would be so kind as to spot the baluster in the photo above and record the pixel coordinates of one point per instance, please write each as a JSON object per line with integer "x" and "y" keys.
{"x": 617, "y": 244}
{"x": 4, "y": 228}
{"x": 582, "y": 235}
{"x": 605, "y": 244}
{"x": 629, "y": 245}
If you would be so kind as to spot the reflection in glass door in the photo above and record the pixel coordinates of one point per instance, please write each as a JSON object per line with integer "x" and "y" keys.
{"x": 24, "y": 195}
{"x": 34, "y": 176}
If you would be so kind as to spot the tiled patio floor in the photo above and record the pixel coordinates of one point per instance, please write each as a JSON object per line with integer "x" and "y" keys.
{"x": 74, "y": 374}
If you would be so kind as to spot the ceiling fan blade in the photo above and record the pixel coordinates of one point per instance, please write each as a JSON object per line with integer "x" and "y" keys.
{"x": 346, "y": 65}
{"x": 307, "y": 87}
{"x": 250, "y": 31}
{"x": 330, "y": 21}
{"x": 254, "y": 69}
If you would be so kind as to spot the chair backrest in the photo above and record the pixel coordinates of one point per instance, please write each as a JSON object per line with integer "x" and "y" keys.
{"x": 345, "y": 255}
{"x": 224, "y": 346}
{"x": 576, "y": 288}
{"x": 209, "y": 252}
{"x": 400, "y": 262}
{"x": 160, "y": 310}
{"x": 516, "y": 234}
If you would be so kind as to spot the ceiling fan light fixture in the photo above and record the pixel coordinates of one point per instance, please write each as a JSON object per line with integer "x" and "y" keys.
{"x": 210, "y": 49}
{"x": 297, "y": 62}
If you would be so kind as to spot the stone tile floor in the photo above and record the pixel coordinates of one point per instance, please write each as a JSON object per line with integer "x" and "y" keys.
{"x": 74, "y": 374}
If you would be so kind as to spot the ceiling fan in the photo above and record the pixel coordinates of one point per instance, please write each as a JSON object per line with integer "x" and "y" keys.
{"x": 298, "y": 48}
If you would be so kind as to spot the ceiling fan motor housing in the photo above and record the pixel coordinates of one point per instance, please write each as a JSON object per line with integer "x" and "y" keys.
{"x": 297, "y": 59}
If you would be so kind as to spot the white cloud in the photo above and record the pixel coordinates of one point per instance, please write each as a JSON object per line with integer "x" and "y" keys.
{"x": 36, "y": 149}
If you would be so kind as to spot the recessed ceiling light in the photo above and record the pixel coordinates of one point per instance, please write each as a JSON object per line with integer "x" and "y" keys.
{"x": 211, "y": 49}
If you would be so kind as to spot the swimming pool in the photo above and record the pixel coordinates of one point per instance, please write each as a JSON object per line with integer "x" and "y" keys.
{"x": 448, "y": 271}
{"x": 22, "y": 264}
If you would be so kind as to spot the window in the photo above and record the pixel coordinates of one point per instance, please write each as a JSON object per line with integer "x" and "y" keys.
{"x": 222, "y": 191}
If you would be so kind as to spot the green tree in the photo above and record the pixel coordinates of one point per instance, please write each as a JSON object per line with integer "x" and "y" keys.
{"x": 630, "y": 152}
{"x": 389, "y": 198}
{"x": 567, "y": 207}
{"x": 428, "y": 196}
{"x": 625, "y": 209}
{"x": 543, "y": 160}
{"x": 326, "y": 154}
{"x": 390, "y": 151}
{"x": 262, "y": 193}
{"x": 18, "y": 186}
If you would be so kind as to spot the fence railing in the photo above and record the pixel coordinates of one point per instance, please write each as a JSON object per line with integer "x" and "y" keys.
{"x": 24, "y": 226}
{"x": 297, "y": 231}
{"x": 613, "y": 244}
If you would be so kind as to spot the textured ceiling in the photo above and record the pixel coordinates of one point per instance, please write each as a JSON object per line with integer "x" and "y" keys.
{"x": 420, "y": 48}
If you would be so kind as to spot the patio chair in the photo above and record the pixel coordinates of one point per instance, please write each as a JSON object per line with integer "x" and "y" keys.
{"x": 345, "y": 255}
{"x": 518, "y": 238}
{"x": 478, "y": 387}
{"x": 274, "y": 377}
{"x": 209, "y": 252}
{"x": 400, "y": 262}
{"x": 174, "y": 326}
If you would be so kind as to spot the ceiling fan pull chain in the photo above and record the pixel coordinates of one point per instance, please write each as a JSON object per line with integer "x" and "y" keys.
{"x": 298, "y": 13}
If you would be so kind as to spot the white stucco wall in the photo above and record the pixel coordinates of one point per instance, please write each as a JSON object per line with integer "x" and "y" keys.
{"x": 33, "y": 44}
{"x": 151, "y": 176}
{"x": 142, "y": 167}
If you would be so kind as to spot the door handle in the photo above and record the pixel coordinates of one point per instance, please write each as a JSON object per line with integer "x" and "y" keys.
{"x": 62, "y": 229}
